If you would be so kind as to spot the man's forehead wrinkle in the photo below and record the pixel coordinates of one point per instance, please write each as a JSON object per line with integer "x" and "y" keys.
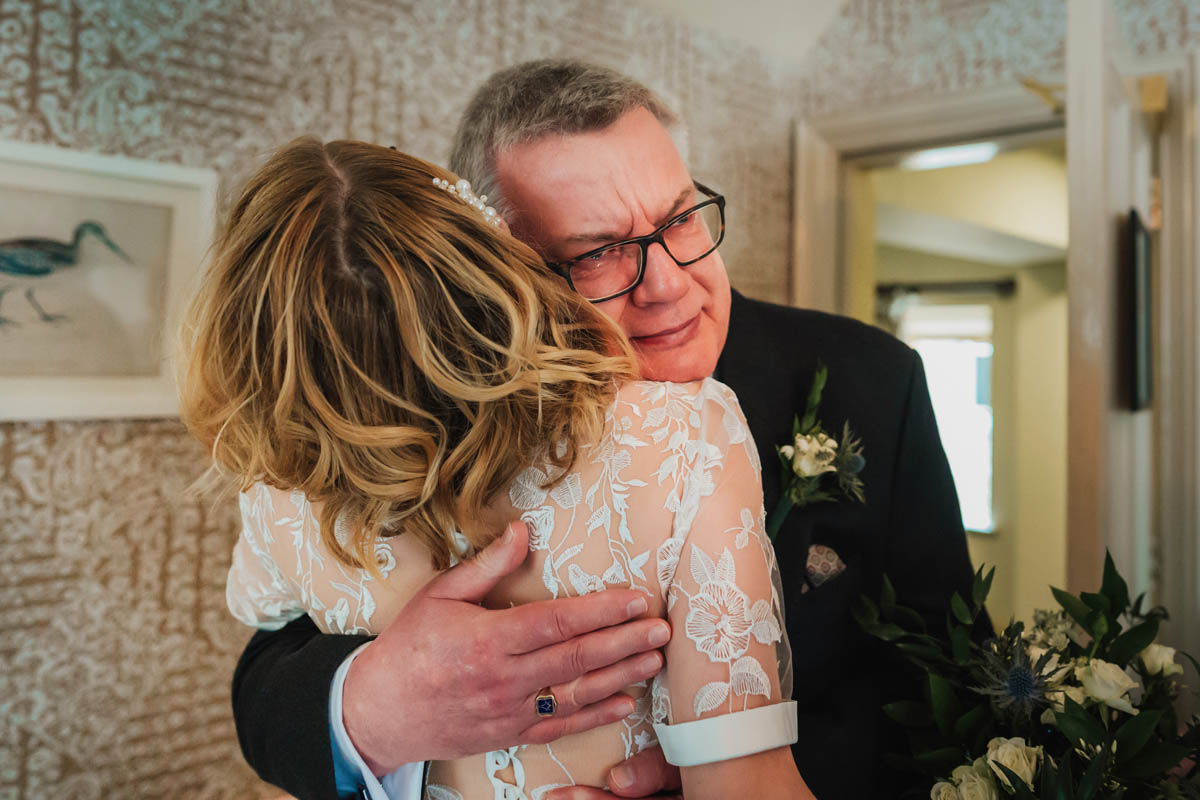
{"x": 611, "y": 234}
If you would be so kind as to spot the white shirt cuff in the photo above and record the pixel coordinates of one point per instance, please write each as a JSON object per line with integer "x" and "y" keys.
{"x": 405, "y": 783}
{"x": 742, "y": 733}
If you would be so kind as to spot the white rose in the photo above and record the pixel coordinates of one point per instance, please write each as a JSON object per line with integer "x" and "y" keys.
{"x": 976, "y": 782}
{"x": 1160, "y": 659}
{"x": 1076, "y": 693}
{"x": 813, "y": 455}
{"x": 1012, "y": 753}
{"x": 943, "y": 791}
{"x": 787, "y": 451}
{"x": 1106, "y": 683}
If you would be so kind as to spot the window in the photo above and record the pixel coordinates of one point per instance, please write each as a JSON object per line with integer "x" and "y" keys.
{"x": 955, "y": 342}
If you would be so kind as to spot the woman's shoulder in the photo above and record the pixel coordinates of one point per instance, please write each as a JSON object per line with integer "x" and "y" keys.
{"x": 697, "y": 394}
{"x": 705, "y": 409}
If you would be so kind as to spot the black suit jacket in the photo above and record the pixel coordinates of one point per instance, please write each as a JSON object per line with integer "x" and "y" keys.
{"x": 910, "y": 527}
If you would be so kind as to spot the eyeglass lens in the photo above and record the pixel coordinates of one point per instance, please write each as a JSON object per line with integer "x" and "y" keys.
{"x": 615, "y": 269}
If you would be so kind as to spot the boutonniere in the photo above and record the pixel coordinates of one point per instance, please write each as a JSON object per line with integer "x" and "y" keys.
{"x": 816, "y": 467}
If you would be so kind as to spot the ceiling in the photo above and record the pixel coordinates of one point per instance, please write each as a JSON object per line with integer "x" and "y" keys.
{"x": 782, "y": 30}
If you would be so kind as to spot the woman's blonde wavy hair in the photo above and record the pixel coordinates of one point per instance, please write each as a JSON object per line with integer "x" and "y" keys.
{"x": 368, "y": 339}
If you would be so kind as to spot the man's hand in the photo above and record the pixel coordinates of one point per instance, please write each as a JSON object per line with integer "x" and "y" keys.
{"x": 643, "y": 775}
{"x": 449, "y": 678}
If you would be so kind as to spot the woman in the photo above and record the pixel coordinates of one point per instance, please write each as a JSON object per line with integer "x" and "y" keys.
{"x": 392, "y": 381}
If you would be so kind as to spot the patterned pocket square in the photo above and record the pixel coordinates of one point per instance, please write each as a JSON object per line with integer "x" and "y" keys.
{"x": 823, "y": 565}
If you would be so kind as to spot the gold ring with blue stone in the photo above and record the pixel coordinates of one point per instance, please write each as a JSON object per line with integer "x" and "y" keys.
{"x": 545, "y": 703}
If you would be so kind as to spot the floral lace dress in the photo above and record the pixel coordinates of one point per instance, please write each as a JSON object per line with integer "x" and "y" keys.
{"x": 668, "y": 502}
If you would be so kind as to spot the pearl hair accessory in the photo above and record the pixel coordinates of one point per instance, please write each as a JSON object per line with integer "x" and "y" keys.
{"x": 462, "y": 190}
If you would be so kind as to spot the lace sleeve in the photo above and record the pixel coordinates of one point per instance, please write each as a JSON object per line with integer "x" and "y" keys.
{"x": 729, "y": 652}
{"x": 261, "y": 589}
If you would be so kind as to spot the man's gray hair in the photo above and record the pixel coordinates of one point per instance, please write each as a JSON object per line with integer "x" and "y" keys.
{"x": 539, "y": 98}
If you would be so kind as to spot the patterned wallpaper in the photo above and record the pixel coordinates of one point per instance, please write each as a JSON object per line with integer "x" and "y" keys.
{"x": 115, "y": 650}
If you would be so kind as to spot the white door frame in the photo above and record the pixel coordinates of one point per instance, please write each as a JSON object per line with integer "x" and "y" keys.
{"x": 820, "y": 178}
{"x": 821, "y": 146}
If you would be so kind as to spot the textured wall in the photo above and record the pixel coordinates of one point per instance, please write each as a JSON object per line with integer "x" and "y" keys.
{"x": 115, "y": 649}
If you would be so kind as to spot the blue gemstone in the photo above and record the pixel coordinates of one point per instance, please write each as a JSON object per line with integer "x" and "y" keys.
{"x": 545, "y": 705}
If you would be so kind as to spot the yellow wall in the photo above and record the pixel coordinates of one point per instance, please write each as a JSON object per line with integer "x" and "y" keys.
{"x": 1022, "y": 193}
{"x": 1029, "y": 396}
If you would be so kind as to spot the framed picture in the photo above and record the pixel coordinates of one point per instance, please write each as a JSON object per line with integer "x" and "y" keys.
{"x": 98, "y": 254}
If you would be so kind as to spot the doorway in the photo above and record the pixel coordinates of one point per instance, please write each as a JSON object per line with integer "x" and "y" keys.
{"x": 960, "y": 251}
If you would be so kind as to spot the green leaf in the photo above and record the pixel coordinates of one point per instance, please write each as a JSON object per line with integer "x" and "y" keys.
{"x": 909, "y": 713}
{"x": 1078, "y": 609}
{"x": 1066, "y": 781}
{"x": 1133, "y": 641}
{"x": 970, "y": 721}
{"x": 1114, "y": 587}
{"x": 1153, "y": 762}
{"x": 1021, "y": 790}
{"x": 960, "y": 610}
{"x": 1133, "y": 735}
{"x": 887, "y": 597}
{"x": 909, "y": 618}
{"x": 1078, "y": 725}
{"x": 960, "y": 644}
{"x": 795, "y": 426}
{"x": 982, "y": 586}
{"x": 943, "y": 702}
{"x": 920, "y": 650}
{"x": 1092, "y": 777}
{"x": 1098, "y": 602}
{"x": 865, "y": 612}
{"x": 887, "y": 631}
{"x": 809, "y": 420}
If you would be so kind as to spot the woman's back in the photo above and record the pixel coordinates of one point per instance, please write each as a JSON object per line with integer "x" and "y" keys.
{"x": 668, "y": 502}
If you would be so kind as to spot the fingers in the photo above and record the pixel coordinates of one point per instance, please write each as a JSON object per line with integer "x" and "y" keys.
{"x": 609, "y": 710}
{"x": 472, "y": 580}
{"x": 548, "y": 622}
{"x": 646, "y": 773}
{"x": 602, "y": 683}
{"x": 575, "y": 659}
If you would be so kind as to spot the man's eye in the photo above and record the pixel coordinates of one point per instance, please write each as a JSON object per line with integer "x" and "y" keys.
{"x": 684, "y": 221}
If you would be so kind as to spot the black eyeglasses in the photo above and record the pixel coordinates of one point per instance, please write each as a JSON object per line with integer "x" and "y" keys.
{"x": 619, "y": 268}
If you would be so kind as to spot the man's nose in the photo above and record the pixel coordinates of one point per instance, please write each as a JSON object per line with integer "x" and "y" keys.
{"x": 664, "y": 281}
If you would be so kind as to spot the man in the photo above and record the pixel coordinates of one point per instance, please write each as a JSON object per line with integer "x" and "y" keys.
{"x": 578, "y": 158}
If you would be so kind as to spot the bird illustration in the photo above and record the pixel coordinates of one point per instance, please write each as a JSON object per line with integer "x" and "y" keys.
{"x": 36, "y": 257}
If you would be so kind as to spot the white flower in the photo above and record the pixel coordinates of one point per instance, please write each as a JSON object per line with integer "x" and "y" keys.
{"x": 385, "y": 559}
{"x": 1106, "y": 683}
{"x": 1058, "y": 671}
{"x": 717, "y": 622}
{"x": 1160, "y": 659}
{"x": 1076, "y": 693}
{"x": 975, "y": 782}
{"x": 813, "y": 455}
{"x": 1012, "y": 753}
{"x": 943, "y": 791}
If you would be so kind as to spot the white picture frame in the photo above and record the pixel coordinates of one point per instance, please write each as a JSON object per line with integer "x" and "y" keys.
{"x": 55, "y": 366}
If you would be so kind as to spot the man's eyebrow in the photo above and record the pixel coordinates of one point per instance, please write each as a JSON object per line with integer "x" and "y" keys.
{"x": 600, "y": 237}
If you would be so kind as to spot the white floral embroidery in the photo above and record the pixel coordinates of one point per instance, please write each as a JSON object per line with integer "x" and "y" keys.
{"x": 674, "y": 477}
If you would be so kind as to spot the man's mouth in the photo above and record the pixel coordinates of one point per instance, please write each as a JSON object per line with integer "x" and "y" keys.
{"x": 669, "y": 337}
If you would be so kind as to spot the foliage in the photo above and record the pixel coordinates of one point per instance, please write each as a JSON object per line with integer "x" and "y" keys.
{"x": 1085, "y": 694}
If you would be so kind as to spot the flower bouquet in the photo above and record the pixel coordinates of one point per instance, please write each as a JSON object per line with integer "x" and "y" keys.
{"x": 1079, "y": 706}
